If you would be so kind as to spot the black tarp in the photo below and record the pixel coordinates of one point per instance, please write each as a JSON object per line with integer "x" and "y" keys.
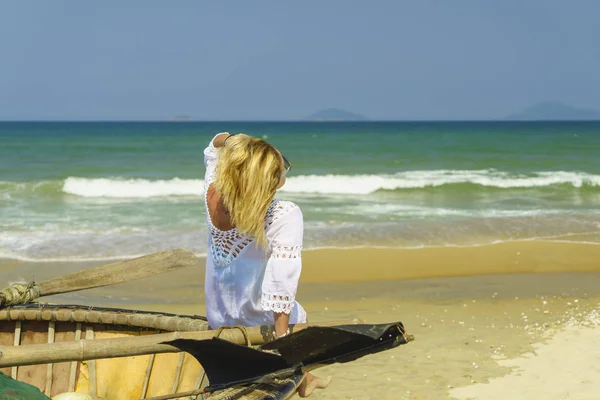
{"x": 228, "y": 364}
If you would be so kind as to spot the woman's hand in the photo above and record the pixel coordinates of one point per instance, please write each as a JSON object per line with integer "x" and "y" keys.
{"x": 219, "y": 140}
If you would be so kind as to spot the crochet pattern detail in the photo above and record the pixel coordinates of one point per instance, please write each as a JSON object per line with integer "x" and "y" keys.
{"x": 276, "y": 303}
{"x": 226, "y": 246}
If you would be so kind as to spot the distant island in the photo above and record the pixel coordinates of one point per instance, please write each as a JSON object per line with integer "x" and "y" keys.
{"x": 335, "y": 114}
{"x": 181, "y": 118}
{"x": 554, "y": 111}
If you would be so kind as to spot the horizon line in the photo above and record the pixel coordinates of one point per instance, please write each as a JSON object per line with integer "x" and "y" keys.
{"x": 175, "y": 121}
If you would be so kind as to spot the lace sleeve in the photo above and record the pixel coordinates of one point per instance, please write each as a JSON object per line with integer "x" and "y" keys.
{"x": 285, "y": 262}
{"x": 211, "y": 157}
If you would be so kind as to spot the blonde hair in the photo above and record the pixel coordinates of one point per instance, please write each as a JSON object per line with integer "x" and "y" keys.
{"x": 248, "y": 175}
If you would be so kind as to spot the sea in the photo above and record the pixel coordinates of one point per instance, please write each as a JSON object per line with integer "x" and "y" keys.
{"x": 113, "y": 190}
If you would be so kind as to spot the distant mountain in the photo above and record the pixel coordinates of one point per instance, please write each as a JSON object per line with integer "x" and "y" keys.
{"x": 181, "y": 118}
{"x": 335, "y": 114}
{"x": 554, "y": 111}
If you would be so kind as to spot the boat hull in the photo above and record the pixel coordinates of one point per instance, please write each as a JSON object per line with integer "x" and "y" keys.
{"x": 116, "y": 378}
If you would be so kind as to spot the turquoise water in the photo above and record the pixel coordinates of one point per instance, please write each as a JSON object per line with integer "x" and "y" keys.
{"x": 110, "y": 190}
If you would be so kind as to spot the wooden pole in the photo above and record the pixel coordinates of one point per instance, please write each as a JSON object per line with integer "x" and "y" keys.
{"x": 119, "y": 272}
{"x": 83, "y": 350}
{"x": 110, "y": 274}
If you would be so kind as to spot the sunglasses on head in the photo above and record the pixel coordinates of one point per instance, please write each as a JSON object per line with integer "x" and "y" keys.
{"x": 286, "y": 165}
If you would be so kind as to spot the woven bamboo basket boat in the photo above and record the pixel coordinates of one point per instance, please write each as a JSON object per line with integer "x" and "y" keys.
{"x": 136, "y": 377}
{"x": 106, "y": 373}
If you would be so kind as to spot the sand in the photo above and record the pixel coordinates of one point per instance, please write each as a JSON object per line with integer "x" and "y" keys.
{"x": 514, "y": 320}
{"x": 359, "y": 265}
{"x": 552, "y": 371}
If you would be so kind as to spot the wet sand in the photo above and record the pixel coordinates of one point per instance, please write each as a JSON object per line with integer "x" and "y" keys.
{"x": 515, "y": 320}
{"x": 372, "y": 264}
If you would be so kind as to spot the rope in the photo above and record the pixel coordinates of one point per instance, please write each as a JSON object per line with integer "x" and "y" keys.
{"x": 19, "y": 293}
{"x": 217, "y": 334}
{"x": 193, "y": 393}
{"x": 241, "y": 328}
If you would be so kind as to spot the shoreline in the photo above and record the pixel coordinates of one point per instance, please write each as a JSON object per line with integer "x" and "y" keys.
{"x": 559, "y": 239}
{"x": 369, "y": 264}
{"x": 507, "y": 269}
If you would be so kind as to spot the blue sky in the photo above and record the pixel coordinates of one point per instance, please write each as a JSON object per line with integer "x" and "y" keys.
{"x": 285, "y": 60}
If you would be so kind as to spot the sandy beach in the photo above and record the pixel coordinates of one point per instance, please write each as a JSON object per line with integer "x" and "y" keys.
{"x": 513, "y": 320}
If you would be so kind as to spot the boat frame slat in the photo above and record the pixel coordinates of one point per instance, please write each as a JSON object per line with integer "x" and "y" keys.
{"x": 200, "y": 380}
{"x": 73, "y": 371}
{"x": 51, "y": 331}
{"x": 147, "y": 376}
{"x": 178, "y": 373}
{"x": 17, "y": 341}
{"x": 89, "y": 335}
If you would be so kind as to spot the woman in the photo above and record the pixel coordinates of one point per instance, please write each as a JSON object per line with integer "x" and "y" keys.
{"x": 255, "y": 241}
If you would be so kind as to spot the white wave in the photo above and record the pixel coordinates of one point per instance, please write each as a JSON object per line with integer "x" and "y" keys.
{"x": 365, "y": 184}
{"x": 332, "y": 184}
{"x": 132, "y": 188}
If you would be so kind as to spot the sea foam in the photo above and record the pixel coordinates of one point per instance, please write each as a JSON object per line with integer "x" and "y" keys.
{"x": 132, "y": 188}
{"x": 335, "y": 184}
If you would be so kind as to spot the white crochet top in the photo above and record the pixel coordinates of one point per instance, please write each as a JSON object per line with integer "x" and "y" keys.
{"x": 245, "y": 284}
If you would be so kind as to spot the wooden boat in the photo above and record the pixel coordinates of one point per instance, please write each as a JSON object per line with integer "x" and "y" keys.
{"x": 137, "y": 376}
{"x": 131, "y": 377}
{"x": 119, "y": 354}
